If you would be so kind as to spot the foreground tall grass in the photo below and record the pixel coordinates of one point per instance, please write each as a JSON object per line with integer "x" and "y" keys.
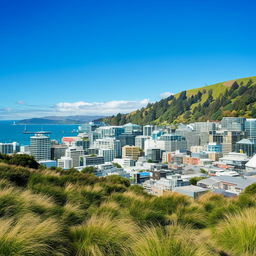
{"x": 30, "y": 235}
{"x": 67, "y": 213}
{"x": 237, "y": 233}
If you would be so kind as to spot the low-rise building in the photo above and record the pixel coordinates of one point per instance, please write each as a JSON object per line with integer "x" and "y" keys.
{"x": 191, "y": 191}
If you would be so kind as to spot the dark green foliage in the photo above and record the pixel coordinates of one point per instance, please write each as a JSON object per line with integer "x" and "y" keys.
{"x": 89, "y": 169}
{"x": 17, "y": 175}
{"x": 117, "y": 165}
{"x": 115, "y": 179}
{"x": 194, "y": 180}
{"x": 251, "y": 189}
{"x": 238, "y": 97}
{"x": 24, "y": 160}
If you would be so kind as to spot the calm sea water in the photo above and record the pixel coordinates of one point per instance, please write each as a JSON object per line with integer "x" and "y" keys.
{"x": 11, "y": 133}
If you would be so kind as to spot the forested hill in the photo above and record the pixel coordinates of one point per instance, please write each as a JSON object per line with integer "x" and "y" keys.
{"x": 231, "y": 98}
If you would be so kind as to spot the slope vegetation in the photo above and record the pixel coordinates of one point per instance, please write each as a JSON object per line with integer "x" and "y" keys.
{"x": 231, "y": 98}
{"x": 47, "y": 212}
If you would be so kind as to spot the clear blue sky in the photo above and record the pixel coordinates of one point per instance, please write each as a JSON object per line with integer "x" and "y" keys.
{"x": 101, "y": 57}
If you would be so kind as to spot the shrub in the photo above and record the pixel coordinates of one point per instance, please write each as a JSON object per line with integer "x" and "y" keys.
{"x": 30, "y": 235}
{"x": 17, "y": 175}
{"x": 24, "y": 160}
{"x": 174, "y": 240}
{"x": 237, "y": 233}
{"x": 101, "y": 236}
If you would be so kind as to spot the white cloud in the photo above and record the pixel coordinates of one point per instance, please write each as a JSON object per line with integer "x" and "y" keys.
{"x": 100, "y": 108}
{"x": 24, "y": 111}
{"x": 20, "y": 102}
{"x": 165, "y": 94}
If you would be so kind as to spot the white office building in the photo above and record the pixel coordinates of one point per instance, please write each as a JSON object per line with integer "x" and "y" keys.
{"x": 9, "y": 148}
{"x": 65, "y": 162}
{"x": 140, "y": 141}
{"x": 109, "y": 143}
{"x": 108, "y": 154}
{"x": 40, "y": 147}
{"x": 75, "y": 153}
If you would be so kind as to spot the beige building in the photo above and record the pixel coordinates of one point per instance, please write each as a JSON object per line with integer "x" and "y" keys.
{"x": 131, "y": 152}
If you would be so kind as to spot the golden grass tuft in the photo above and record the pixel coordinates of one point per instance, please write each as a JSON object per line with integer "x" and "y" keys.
{"x": 236, "y": 234}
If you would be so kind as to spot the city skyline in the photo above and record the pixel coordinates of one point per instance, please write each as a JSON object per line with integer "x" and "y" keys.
{"x": 88, "y": 58}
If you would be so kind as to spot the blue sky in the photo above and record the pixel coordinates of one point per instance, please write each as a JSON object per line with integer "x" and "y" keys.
{"x": 103, "y": 57}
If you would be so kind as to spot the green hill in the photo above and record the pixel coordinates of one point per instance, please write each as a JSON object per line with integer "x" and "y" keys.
{"x": 230, "y": 98}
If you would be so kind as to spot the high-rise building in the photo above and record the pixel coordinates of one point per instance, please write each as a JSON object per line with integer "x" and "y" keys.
{"x": 90, "y": 127}
{"x": 40, "y": 147}
{"x": 127, "y": 139}
{"x": 155, "y": 154}
{"x": 250, "y": 128}
{"x": 110, "y": 131}
{"x": 246, "y": 146}
{"x": 233, "y": 123}
{"x": 109, "y": 143}
{"x": 227, "y": 139}
{"x": 57, "y": 151}
{"x": 173, "y": 142}
{"x": 84, "y": 143}
{"x": 140, "y": 141}
{"x": 148, "y": 129}
{"x": 108, "y": 154}
{"x": 204, "y": 126}
{"x": 9, "y": 148}
{"x": 131, "y": 152}
{"x": 132, "y": 129}
{"x": 75, "y": 153}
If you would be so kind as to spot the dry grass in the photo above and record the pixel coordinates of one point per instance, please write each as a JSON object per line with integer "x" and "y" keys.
{"x": 237, "y": 233}
{"x": 174, "y": 240}
{"x": 30, "y": 235}
{"x": 103, "y": 236}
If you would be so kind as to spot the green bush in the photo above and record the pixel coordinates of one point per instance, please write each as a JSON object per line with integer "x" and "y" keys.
{"x": 237, "y": 233}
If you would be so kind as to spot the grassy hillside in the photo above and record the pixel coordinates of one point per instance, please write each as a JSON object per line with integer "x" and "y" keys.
{"x": 66, "y": 213}
{"x": 230, "y": 98}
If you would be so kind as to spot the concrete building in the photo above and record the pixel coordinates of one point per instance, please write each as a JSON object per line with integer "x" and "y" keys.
{"x": 214, "y": 147}
{"x": 173, "y": 142}
{"x": 127, "y": 139}
{"x": 109, "y": 131}
{"x": 204, "y": 126}
{"x": 233, "y": 185}
{"x": 227, "y": 139}
{"x": 84, "y": 143}
{"x": 65, "y": 162}
{"x": 237, "y": 160}
{"x": 9, "y": 148}
{"x": 108, "y": 154}
{"x": 131, "y": 152}
{"x": 57, "y": 151}
{"x": 91, "y": 160}
{"x": 140, "y": 141}
{"x": 40, "y": 147}
{"x": 154, "y": 154}
{"x": 148, "y": 129}
{"x": 109, "y": 143}
{"x": 132, "y": 129}
{"x": 250, "y": 128}
{"x": 233, "y": 123}
{"x": 247, "y": 146}
{"x": 75, "y": 153}
{"x": 191, "y": 191}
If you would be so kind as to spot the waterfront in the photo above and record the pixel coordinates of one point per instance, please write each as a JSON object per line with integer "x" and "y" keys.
{"x": 11, "y": 133}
